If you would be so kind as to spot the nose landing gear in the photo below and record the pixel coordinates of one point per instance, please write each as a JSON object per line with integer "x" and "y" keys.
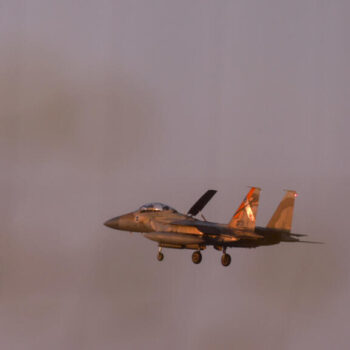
{"x": 160, "y": 255}
{"x": 196, "y": 257}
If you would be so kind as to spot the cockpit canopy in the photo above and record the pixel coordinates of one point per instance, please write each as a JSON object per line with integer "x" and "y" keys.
{"x": 155, "y": 207}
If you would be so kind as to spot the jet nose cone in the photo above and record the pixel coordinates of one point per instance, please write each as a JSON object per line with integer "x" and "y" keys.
{"x": 122, "y": 223}
{"x": 112, "y": 223}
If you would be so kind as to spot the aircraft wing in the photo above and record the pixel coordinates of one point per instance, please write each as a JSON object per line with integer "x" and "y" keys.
{"x": 167, "y": 224}
{"x": 204, "y": 227}
{"x": 210, "y": 228}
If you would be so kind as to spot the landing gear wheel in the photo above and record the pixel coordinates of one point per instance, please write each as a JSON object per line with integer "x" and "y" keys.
{"x": 160, "y": 256}
{"x": 225, "y": 259}
{"x": 196, "y": 257}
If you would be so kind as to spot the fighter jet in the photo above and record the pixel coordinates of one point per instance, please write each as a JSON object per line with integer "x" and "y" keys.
{"x": 171, "y": 229}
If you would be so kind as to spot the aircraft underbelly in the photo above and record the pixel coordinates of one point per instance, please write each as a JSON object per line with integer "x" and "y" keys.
{"x": 174, "y": 238}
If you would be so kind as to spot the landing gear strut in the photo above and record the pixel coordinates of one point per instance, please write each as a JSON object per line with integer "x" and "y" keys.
{"x": 196, "y": 257}
{"x": 160, "y": 255}
{"x": 225, "y": 258}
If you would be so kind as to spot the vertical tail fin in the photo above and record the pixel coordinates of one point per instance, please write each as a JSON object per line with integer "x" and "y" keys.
{"x": 283, "y": 216}
{"x": 245, "y": 216}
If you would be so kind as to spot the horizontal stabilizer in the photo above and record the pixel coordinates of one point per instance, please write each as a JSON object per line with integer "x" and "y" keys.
{"x": 311, "y": 242}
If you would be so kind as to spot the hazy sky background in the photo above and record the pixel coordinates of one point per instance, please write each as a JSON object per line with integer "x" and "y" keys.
{"x": 106, "y": 105}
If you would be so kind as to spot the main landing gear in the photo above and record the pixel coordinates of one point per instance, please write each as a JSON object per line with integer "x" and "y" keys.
{"x": 225, "y": 258}
{"x": 196, "y": 257}
{"x": 160, "y": 255}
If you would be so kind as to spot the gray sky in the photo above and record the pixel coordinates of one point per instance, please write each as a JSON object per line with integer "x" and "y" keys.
{"x": 106, "y": 105}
